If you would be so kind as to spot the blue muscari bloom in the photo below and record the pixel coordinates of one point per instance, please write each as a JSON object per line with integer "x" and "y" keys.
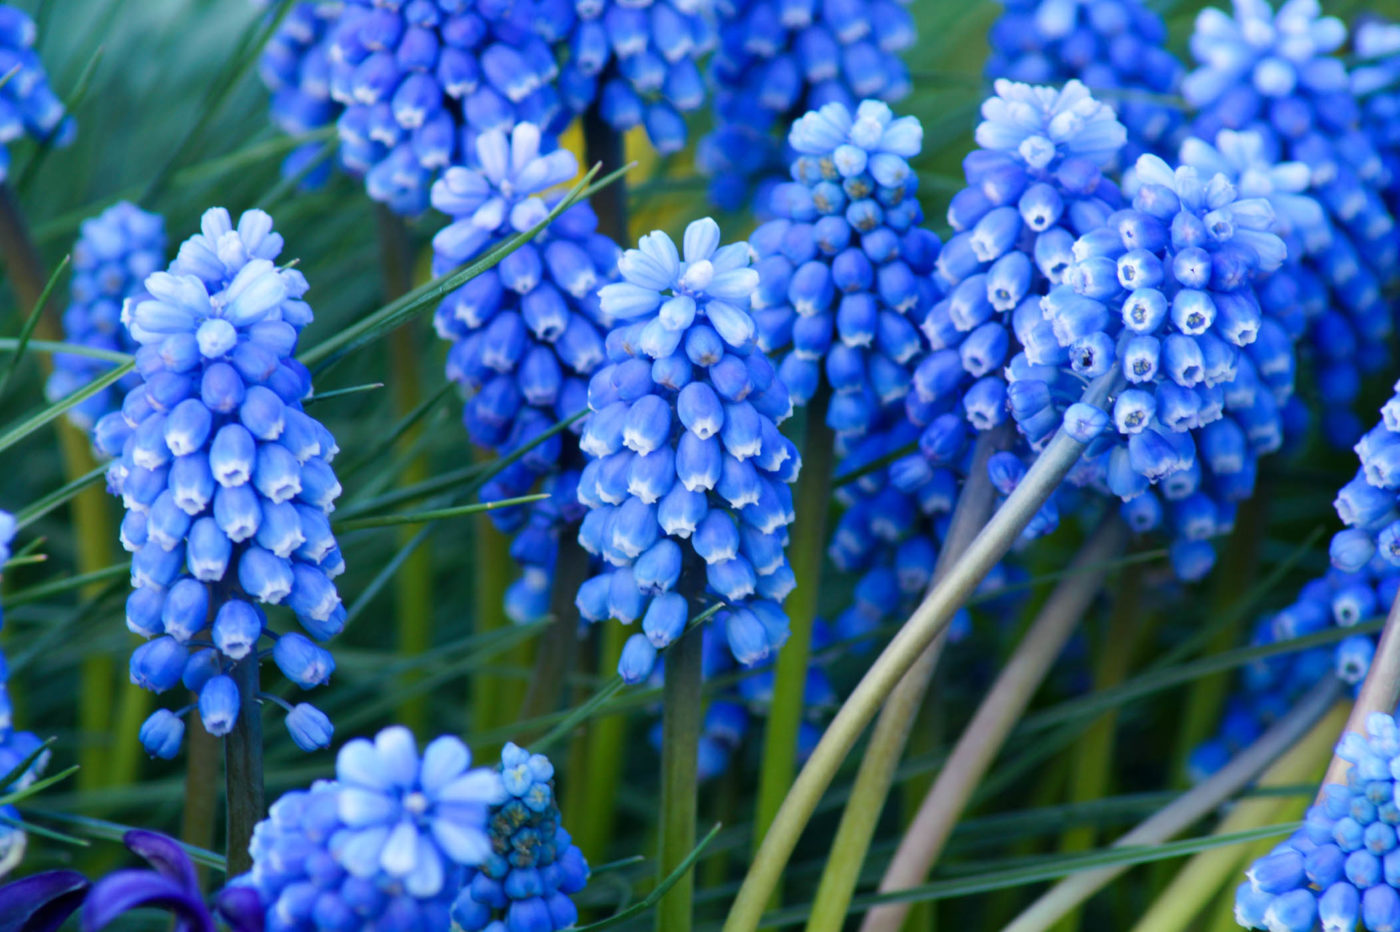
{"x": 15, "y": 746}
{"x": 1276, "y": 73}
{"x": 844, "y": 268}
{"x": 114, "y": 253}
{"x": 28, "y": 105}
{"x": 526, "y": 335}
{"x": 226, "y": 480}
{"x": 296, "y": 68}
{"x": 1110, "y": 45}
{"x": 777, "y": 60}
{"x": 385, "y": 845}
{"x": 526, "y": 882}
{"x": 1340, "y": 868}
{"x": 687, "y": 471}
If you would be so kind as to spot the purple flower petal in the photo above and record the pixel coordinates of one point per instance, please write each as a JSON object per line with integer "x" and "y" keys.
{"x": 41, "y": 902}
{"x": 122, "y": 891}
{"x": 165, "y": 855}
{"x": 241, "y": 908}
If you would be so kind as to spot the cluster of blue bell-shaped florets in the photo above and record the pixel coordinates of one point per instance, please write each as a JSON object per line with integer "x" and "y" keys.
{"x": 28, "y": 106}
{"x": 527, "y": 334}
{"x": 114, "y": 253}
{"x": 1342, "y": 868}
{"x": 844, "y": 270}
{"x": 1368, "y": 503}
{"x": 1116, "y": 47}
{"x": 1277, "y": 74}
{"x": 687, "y": 474}
{"x": 526, "y": 882}
{"x": 226, "y": 480}
{"x": 387, "y": 844}
{"x": 15, "y": 746}
{"x": 296, "y": 69}
{"x": 780, "y": 58}
{"x": 1375, "y": 80}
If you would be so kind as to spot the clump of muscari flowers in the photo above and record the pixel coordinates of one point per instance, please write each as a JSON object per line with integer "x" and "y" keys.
{"x": 1340, "y": 868}
{"x": 226, "y": 480}
{"x": 635, "y": 61}
{"x": 776, "y": 61}
{"x": 1367, "y": 504}
{"x": 114, "y": 253}
{"x": 1277, "y": 74}
{"x": 1375, "y": 80}
{"x": 687, "y": 479}
{"x": 15, "y": 746}
{"x": 296, "y": 69}
{"x": 28, "y": 105}
{"x": 1117, "y": 47}
{"x": 526, "y": 335}
{"x": 387, "y": 844}
{"x": 526, "y": 881}
{"x": 843, "y": 270}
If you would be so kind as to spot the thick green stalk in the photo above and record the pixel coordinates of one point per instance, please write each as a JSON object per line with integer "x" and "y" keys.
{"x": 681, "y": 716}
{"x": 494, "y": 698}
{"x": 243, "y": 768}
{"x": 602, "y": 145}
{"x": 1003, "y": 706}
{"x": 201, "y": 787}
{"x": 558, "y": 648}
{"x": 808, "y": 533}
{"x": 1186, "y": 809}
{"x": 413, "y": 584}
{"x": 924, "y": 627}
{"x": 882, "y": 755}
{"x": 94, "y": 530}
{"x": 592, "y": 803}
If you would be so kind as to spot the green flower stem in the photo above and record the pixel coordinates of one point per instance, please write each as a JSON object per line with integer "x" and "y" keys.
{"x": 1379, "y": 691}
{"x": 1187, "y": 809}
{"x": 1209, "y": 873}
{"x": 808, "y": 534}
{"x": 603, "y": 145}
{"x": 201, "y": 787}
{"x": 243, "y": 768}
{"x": 923, "y": 628}
{"x": 1003, "y": 706}
{"x": 886, "y": 747}
{"x": 558, "y": 649}
{"x": 680, "y": 739}
{"x": 93, "y": 532}
{"x": 494, "y": 698}
{"x": 592, "y": 802}
{"x": 413, "y": 584}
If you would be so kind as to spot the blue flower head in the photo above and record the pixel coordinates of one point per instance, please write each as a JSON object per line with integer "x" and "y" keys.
{"x": 687, "y": 472}
{"x": 534, "y": 868}
{"x": 844, "y": 268}
{"x": 296, "y": 69}
{"x": 115, "y": 252}
{"x": 526, "y": 334}
{"x": 386, "y": 845}
{"x": 226, "y": 480}
{"x": 1110, "y": 45}
{"x": 776, "y": 61}
{"x": 1336, "y": 871}
{"x": 28, "y": 106}
{"x": 1367, "y": 505}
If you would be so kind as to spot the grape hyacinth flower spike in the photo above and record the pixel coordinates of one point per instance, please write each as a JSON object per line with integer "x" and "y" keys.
{"x": 1337, "y": 870}
{"x": 226, "y": 480}
{"x": 526, "y": 335}
{"x": 534, "y": 867}
{"x": 28, "y": 105}
{"x": 115, "y": 252}
{"x": 15, "y": 746}
{"x": 296, "y": 69}
{"x": 687, "y": 479}
{"x": 387, "y": 844}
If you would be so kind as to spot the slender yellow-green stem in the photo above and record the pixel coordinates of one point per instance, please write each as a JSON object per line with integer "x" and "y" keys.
{"x": 887, "y": 742}
{"x": 992, "y": 722}
{"x": 1187, "y": 809}
{"x": 94, "y": 531}
{"x": 808, "y": 533}
{"x": 1202, "y": 878}
{"x": 492, "y": 694}
{"x": 1379, "y": 691}
{"x": 413, "y": 584}
{"x": 681, "y": 714}
{"x": 592, "y": 803}
{"x": 558, "y": 648}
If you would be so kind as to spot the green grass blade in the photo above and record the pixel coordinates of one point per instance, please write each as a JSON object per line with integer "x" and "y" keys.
{"x": 435, "y": 514}
{"x": 661, "y": 890}
{"x": 11, "y": 344}
{"x": 31, "y": 322}
{"x": 56, "y": 410}
{"x": 59, "y": 496}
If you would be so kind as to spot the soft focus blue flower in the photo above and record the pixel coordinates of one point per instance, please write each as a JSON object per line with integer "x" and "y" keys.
{"x": 28, "y": 106}
{"x": 386, "y": 845}
{"x": 687, "y": 471}
{"x": 1367, "y": 504}
{"x": 777, "y": 60}
{"x": 15, "y": 746}
{"x": 526, "y": 882}
{"x": 526, "y": 334}
{"x": 1338, "y": 868}
{"x": 844, "y": 270}
{"x": 296, "y": 68}
{"x": 114, "y": 253}
{"x": 1110, "y": 45}
{"x": 226, "y": 480}
{"x": 1277, "y": 73}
